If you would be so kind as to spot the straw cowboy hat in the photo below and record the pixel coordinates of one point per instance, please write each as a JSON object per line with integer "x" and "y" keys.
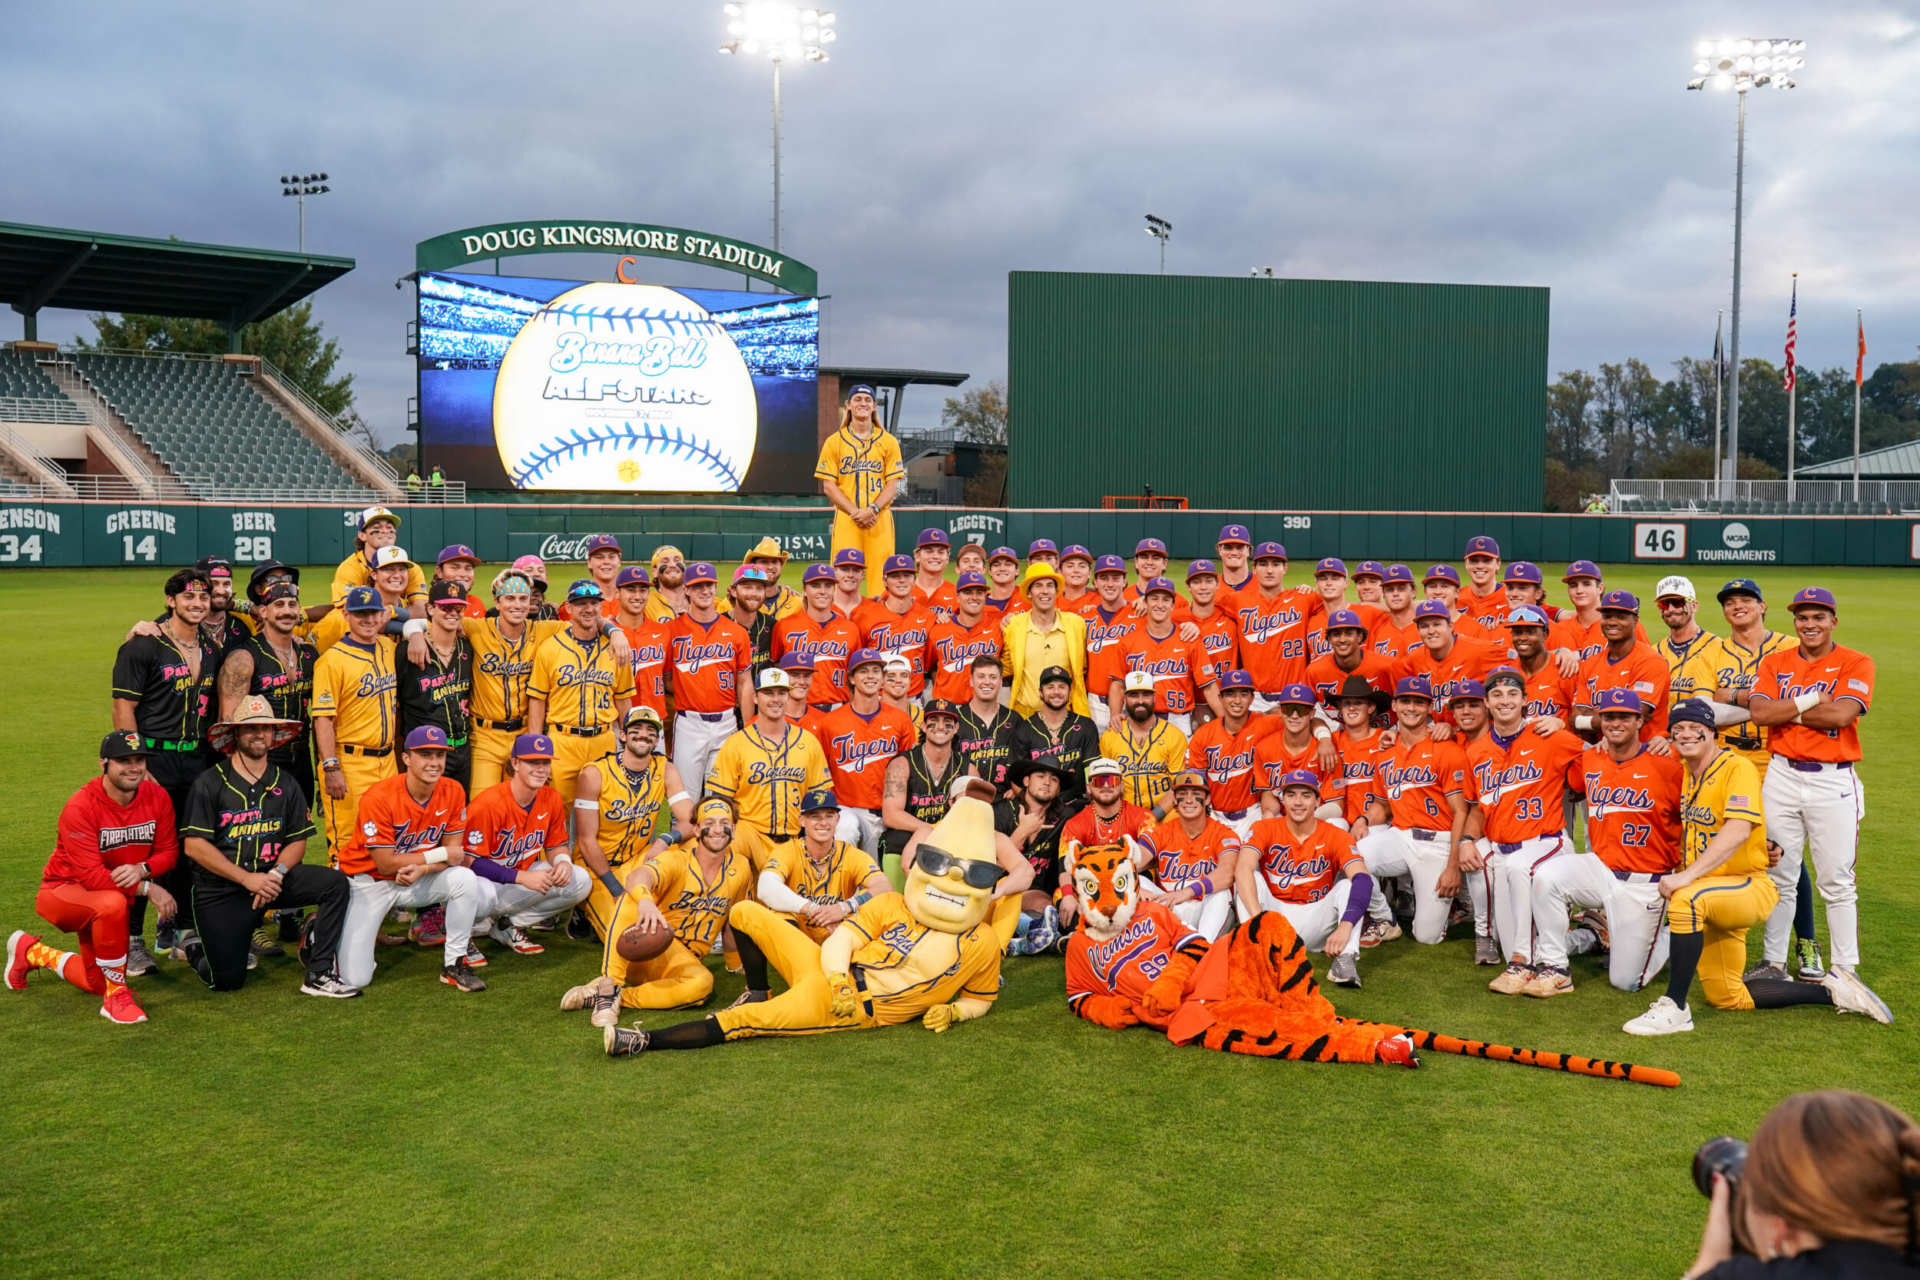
{"x": 253, "y": 712}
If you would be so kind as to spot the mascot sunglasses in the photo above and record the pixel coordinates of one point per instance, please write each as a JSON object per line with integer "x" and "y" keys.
{"x": 981, "y": 875}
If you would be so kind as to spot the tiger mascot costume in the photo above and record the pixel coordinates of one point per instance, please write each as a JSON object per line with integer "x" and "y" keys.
{"x": 1251, "y": 991}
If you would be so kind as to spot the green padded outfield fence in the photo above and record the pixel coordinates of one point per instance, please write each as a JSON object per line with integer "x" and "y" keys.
{"x": 60, "y": 534}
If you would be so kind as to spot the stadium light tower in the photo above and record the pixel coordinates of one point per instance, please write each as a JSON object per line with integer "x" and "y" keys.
{"x": 1741, "y": 64}
{"x": 1160, "y": 229}
{"x": 301, "y": 186}
{"x": 784, "y": 33}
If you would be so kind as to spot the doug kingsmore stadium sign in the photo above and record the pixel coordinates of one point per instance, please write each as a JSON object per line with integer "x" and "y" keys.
{"x": 458, "y": 249}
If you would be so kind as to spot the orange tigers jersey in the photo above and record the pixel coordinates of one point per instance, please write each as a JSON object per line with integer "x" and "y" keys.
{"x": 1273, "y": 634}
{"x": 1786, "y": 673}
{"x": 1469, "y": 659}
{"x": 903, "y": 633}
{"x": 516, "y": 838}
{"x": 1415, "y": 777}
{"x": 826, "y": 644}
{"x": 951, "y": 649}
{"x": 1359, "y": 765}
{"x": 1107, "y": 634}
{"x": 941, "y": 602}
{"x": 1227, "y": 760}
{"x": 1370, "y": 614}
{"x": 649, "y": 642}
{"x": 1393, "y": 641}
{"x": 391, "y": 818}
{"x": 1129, "y": 962}
{"x": 1643, "y": 670}
{"x": 1633, "y": 808}
{"x": 1220, "y": 636}
{"x": 859, "y": 748}
{"x": 1179, "y": 668}
{"x": 707, "y": 663}
{"x": 1584, "y": 638}
{"x": 1326, "y": 675}
{"x": 1520, "y": 785}
{"x": 1549, "y": 693}
{"x": 1300, "y": 868}
{"x": 1489, "y": 612}
{"x": 1273, "y": 758}
{"x": 1183, "y": 857}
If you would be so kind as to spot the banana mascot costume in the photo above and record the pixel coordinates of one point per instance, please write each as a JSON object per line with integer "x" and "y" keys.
{"x": 927, "y": 952}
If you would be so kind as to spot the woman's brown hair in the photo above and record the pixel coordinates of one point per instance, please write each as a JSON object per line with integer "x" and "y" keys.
{"x": 1840, "y": 1165}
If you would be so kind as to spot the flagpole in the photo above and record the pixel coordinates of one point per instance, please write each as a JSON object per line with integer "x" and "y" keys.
{"x": 1793, "y": 393}
{"x": 1860, "y": 327}
{"x": 1793, "y": 382}
{"x": 1719, "y": 383}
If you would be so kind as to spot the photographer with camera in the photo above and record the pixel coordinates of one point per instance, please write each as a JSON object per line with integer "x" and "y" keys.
{"x": 1829, "y": 1188}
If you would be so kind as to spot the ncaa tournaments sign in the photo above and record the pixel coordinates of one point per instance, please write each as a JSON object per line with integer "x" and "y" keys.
{"x": 457, "y": 249}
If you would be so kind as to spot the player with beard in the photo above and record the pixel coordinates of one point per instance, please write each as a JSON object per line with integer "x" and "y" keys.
{"x": 746, "y": 600}
{"x": 1031, "y": 816}
{"x": 770, "y": 558}
{"x": 277, "y": 664}
{"x": 1056, "y": 733}
{"x": 1150, "y": 750}
{"x": 668, "y": 599}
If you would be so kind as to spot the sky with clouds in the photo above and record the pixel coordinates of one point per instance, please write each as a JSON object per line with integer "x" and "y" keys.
{"x": 945, "y": 145}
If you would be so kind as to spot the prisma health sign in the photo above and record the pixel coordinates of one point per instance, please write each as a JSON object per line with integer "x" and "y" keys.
{"x": 537, "y": 384}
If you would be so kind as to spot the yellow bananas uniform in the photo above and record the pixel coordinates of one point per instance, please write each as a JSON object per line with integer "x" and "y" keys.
{"x": 354, "y": 685}
{"x": 1148, "y": 766}
{"x": 1740, "y": 893}
{"x": 498, "y": 701}
{"x": 765, "y": 778}
{"x": 695, "y": 906}
{"x": 835, "y": 878}
{"x": 584, "y": 687}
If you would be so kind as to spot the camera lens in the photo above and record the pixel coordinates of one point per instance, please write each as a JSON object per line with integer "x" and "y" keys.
{"x": 1724, "y": 1156}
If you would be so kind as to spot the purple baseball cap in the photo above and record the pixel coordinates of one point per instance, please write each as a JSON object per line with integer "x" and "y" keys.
{"x": 585, "y": 589}
{"x": 1469, "y": 689}
{"x": 1003, "y": 553}
{"x": 861, "y": 657}
{"x": 796, "y": 661}
{"x": 1300, "y": 778}
{"x": 1201, "y": 569}
{"x": 602, "y": 542}
{"x": 1075, "y": 551}
{"x": 699, "y": 571}
{"x": 1581, "y": 569}
{"x": 971, "y": 579}
{"x": 1109, "y": 564}
{"x": 1370, "y": 569}
{"x": 1397, "y": 573}
{"x": 533, "y": 746}
{"x": 1150, "y": 544}
{"x": 1152, "y": 585}
{"x": 632, "y": 575}
{"x": 1526, "y": 616}
{"x": 1414, "y": 687}
{"x": 1236, "y": 679}
{"x": 896, "y": 564}
{"x": 1344, "y": 619}
{"x": 1442, "y": 573}
{"x": 1618, "y": 700}
{"x": 1432, "y": 609}
{"x": 1269, "y": 551}
{"x": 1298, "y": 694}
{"x": 1622, "y": 602}
{"x": 849, "y": 556}
{"x": 818, "y": 573}
{"x": 1040, "y": 544}
{"x": 1233, "y": 533}
{"x": 1332, "y": 564}
{"x": 932, "y": 538}
{"x": 1523, "y": 571}
{"x": 1483, "y": 546}
{"x": 426, "y": 737}
{"x": 1813, "y": 598}
{"x": 457, "y": 551}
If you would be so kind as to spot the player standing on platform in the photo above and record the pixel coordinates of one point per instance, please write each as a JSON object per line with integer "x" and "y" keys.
{"x": 860, "y": 471}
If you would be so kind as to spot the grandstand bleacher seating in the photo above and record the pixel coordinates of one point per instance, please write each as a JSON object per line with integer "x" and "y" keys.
{"x": 22, "y": 379}
{"x": 203, "y": 419}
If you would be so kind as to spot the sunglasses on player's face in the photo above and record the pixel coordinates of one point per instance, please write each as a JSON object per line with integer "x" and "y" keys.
{"x": 981, "y": 875}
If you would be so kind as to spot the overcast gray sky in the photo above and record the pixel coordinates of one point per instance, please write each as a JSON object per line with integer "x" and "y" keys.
{"x": 945, "y": 145}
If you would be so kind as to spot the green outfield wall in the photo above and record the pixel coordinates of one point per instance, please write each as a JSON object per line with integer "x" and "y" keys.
{"x": 57, "y": 534}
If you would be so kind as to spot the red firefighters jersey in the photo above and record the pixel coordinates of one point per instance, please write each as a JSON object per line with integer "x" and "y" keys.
{"x": 1273, "y": 758}
{"x": 1179, "y": 668}
{"x": 1181, "y": 857}
{"x": 1273, "y": 634}
{"x": 1299, "y": 868}
{"x": 1106, "y": 633}
{"x": 1227, "y": 759}
{"x": 1127, "y": 963}
{"x": 1326, "y": 675}
{"x": 1415, "y": 777}
{"x": 1469, "y": 659}
{"x": 1220, "y": 637}
{"x": 1643, "y": 670}
{"x": 499, "y": 829}
{"x": 1521, "y": 785}
{"x": 1488, "y": 613}
{"x": 826, "y": 645}
{"x": 941, "y": 602}
{"x": 649, "y": 643}
{"x": 95, "y": 835}
{"x": 858, "y": 749}
{"x": 1370, "y": 614}
{"x": 391, "y": 818}
{"x": 1633, "y": 808}
{"x": 1088, "y": 828}
{"x": 903, "y": 633}
{"x": 951, "y": 649}
{"x": 1786, "y": 673}
{"x": 1549, "y": 693}
{"x": 1357, "y": 783}
{"x": 707, "y": 662}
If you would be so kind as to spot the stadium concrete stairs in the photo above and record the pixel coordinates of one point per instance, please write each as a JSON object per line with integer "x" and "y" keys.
{"x": 131, "y": 455}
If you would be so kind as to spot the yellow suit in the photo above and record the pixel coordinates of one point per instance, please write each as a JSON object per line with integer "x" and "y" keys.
{"x": 1022, "y": 683}
{"x": 860, "y": 470}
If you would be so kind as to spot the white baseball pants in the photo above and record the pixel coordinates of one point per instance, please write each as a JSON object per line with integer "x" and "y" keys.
{"x": 1502, "y": 892}
{"x": 1102, "y": 713}
{"x": 1181, "y": 720}
{"x": 1817, "y": 812}
{"x": 1315, "y": 921}
{"x": 523, "y": 906}
{"x": 1636, "y": 916}
{"x": 696, "y": 741}
{"x": 1241, "y": 826}
{"x": 860, "y": 827}
{"x": 1389, "y": 851}
{"x": 454, "y": 887}
{"x": 1205, "y": 916}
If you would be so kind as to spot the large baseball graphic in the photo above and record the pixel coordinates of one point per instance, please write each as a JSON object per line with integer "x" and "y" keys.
{"x": 623, "y": 386}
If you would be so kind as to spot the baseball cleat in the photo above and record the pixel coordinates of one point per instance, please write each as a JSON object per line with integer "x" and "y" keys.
{"x": 514, "y": 938}
{"x": 575, "y": 998}
{"x": 1376, "y": 932}
{"x": 140, "y": 961}
{"x": 263, "y": 944}
{"x": 1596, "y": 920}
{"x": 1549, "y": 981}
{"x": 290, "y": 925}
{"x": 430, "y": 930}
{"x": 578, "y": 926}
{"x": 1396, "y": 1051}
{"x": 326, "y": 984}
{"x": 1486, "y": 951}
{"x": 17, "y": 966}
{"x": 624, "y": 1042}
{"x": 462, "y": 976}
{"x": 1850, "y": 995}
{"x": 120, "y": 1006}
{"x": 1767, "y": 971}
{"x": 475, "y": 958}
{"x": 1460, "y": 913}
{"x": 1663, "y": 1019}
{"x": 165, "y": 936}
{"x": 1044, "y": 931}
{"x": 750, "y": 996}
{"x": 1512, "y": 980}
{"x": 1344, "y": 972}
{"x": 543, "y": 925}
{"x": 1807, "y": 959}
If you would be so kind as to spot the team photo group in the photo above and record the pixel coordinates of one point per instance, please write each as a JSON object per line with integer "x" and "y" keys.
{"x": 883, "y": 774}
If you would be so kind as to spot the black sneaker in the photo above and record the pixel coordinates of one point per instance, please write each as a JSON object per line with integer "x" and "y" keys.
{"x": 462, "y": 976}
{"x": 290, "y": 922}
{"x": 326, "y": 984}
{"x": 624, "y": 1042}
{"x": 578, "y": 926}
{"x": 165, "y": 937}
{"x": 265, "y": 945}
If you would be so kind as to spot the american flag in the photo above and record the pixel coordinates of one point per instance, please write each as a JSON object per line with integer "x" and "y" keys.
{"x": 1793, "y": 311}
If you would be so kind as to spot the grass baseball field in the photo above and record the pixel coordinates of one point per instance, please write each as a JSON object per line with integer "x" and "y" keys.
{"x": 421, "y": 1132}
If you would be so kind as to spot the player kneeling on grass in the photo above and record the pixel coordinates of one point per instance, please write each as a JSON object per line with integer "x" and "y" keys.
{"x": 246, "y": 830}
{"x": 1722, "y": 890}
{"x": 671, "y": 908}
{"x": 818, "y": 881}
{"x": 928, "y": 953}
{"x": 1309, "y": 872}
{"x": 517, "y": 838}
{"x": 405, "y": 852}
{"x": 1415, "y": 822}
{"x": 115, "y": 834}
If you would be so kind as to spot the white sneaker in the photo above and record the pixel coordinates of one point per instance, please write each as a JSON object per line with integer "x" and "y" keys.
{"x": 1850, "y": 995}
{"x": 1663, "y": 1019}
